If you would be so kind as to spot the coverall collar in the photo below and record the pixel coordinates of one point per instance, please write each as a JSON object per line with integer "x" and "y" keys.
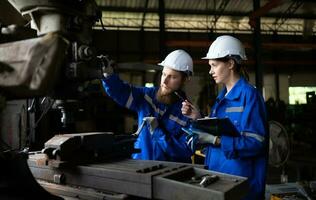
{"x": 235, "y": 92}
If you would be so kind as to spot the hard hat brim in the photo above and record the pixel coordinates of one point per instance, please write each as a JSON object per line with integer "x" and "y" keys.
{"x": 208, "y": 58}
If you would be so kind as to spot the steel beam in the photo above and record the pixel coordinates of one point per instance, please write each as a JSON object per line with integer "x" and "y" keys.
{"x": 290, "y": 10}
{"x": 261, "y": 11}
{"x": 265, "y": 45}
{"x": 220, "y": 10}
{"x": 201, "y": 12}
{"x": 162, "y": 34}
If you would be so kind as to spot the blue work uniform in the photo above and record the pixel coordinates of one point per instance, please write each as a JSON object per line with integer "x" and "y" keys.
{"x": 166, "y": 141}
{"x": 247, "y": 154}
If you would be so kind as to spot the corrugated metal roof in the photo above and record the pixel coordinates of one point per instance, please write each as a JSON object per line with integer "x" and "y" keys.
{"x": 198, "y": 15}
{"x": 204, "y": 5}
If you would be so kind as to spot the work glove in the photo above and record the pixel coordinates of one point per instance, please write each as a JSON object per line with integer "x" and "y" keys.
{"x": 202, "y": 137}
{"x": 106, "y": 65}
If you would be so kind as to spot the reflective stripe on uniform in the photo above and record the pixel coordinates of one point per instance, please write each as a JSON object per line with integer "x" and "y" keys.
{"x": 150, "y": 101}
{"x": 140, "y": 128}
{"x": 253, "y": 135}
{"x": 235, "y": 109}
{"x": 176, "y": 119}
{"x": 129, "y": 101}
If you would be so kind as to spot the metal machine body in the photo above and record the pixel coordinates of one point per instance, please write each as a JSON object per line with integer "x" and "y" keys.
{"x": 56, "y": 63}
{"x": 61, "y": 57}
{"x": 140, "y": 178}
{"x": 146, "y": 179}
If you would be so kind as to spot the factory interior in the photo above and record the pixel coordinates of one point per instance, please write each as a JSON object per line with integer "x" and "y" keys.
{"x": 63, "y": 137}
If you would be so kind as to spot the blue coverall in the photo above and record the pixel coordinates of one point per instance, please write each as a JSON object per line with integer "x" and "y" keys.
{"x": 247, "y": 154}
{"x": 167, "y": 142}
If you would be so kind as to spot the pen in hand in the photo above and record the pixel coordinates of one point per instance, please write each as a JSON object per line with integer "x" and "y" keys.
{"x": 188, "y": 108}
{"x": 182, "y": 98}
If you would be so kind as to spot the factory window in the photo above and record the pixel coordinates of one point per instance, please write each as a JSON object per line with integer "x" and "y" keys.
{"x": 149, "y": 84}
{"x": 301, "y": 95}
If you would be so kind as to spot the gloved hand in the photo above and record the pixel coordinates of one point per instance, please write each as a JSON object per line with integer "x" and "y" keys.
{"x": 106, "y": 65}
{"x": 202, "y": 137}
{"x": 205, "y": 138}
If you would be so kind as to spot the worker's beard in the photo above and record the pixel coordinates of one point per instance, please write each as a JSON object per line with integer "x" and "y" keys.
{"x": 167, "y": 98}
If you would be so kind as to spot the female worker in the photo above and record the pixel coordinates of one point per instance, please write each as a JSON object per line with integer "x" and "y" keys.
{"x": 245, "y": 155}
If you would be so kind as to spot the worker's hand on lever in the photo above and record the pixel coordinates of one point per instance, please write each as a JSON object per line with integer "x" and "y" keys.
{"x": 106, "y": 65}
{"x": 190, "y": 111}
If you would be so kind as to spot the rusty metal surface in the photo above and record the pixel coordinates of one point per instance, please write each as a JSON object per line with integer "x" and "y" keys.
{"x": 126, "y": 176}
{"x": 182, "y": 185}
{"x": 141, "y": 178}
{"x": 145, "y": 179}
{"x": 68, "y": 192}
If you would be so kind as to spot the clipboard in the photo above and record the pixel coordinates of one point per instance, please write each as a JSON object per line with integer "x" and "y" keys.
{"x": 215, "y": 126}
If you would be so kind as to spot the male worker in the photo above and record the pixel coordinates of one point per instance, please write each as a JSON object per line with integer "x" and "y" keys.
{"x": 159, "y": 109}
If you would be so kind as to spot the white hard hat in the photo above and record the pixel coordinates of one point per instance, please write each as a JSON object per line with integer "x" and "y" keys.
{"x": 178, "y": 60}
{"x": 226, "y": 46}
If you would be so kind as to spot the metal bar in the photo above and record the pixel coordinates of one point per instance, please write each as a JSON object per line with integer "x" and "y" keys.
{"x": 291, "y": 9}
{"x": 221, "y": 10}
{"x": 162, "y": 30}
{"x": 142, "y": 33}
{"x": 261, "y": 11}
{"x": 257, "y": 48}
{"x": 265, "y": 45}
{"x": 144, "y": 14}
{"x": 202, "y": 12}
{"x": 200, "y": 25}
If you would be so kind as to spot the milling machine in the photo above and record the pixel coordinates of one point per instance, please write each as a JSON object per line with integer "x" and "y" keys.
{"x": 54, "y": 61}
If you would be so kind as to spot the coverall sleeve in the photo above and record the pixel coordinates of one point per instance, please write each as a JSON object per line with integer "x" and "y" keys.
{"x": 123, "y": 93}
{"x": 182, "y": 152}
{"x": 253, "y": 139}
{"x": 174, "y": 147}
